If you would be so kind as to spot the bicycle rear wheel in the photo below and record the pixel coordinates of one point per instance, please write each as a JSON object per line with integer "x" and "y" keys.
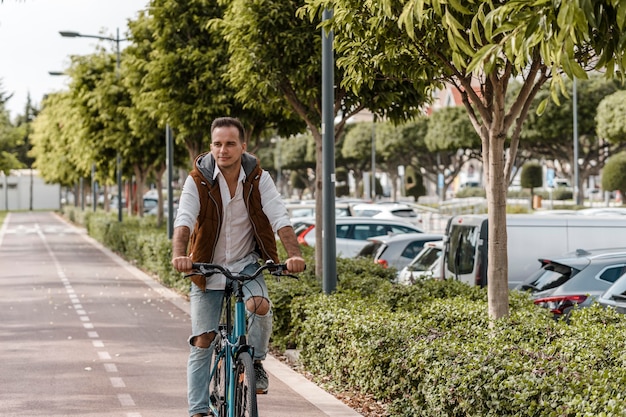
{"x": 217, "y": 384}
{"x": 245, "y": 387}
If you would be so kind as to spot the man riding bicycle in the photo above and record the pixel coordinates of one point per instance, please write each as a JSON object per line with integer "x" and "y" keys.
{"x": 228, "y": 214}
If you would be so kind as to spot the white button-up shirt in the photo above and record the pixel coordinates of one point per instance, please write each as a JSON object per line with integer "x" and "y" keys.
{"x": 236, "y": 244}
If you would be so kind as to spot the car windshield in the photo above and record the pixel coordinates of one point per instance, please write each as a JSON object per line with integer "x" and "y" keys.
{"x": 549, "y": 276}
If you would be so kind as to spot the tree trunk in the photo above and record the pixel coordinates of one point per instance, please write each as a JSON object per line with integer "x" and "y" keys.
{"x": 497, "y": 258}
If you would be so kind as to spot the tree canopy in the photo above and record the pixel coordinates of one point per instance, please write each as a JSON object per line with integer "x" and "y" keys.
{"x": 479, "y": 48}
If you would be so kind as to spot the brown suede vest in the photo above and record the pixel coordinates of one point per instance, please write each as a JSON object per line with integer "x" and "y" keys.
{"x": 209, "y": 222}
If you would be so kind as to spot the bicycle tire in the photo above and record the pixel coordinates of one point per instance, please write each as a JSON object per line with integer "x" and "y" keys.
{"x": 217, "y": 384}
{"x": 245, "y": 387}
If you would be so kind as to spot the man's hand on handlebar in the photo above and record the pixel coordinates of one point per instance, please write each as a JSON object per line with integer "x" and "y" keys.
{"x": 295, "y": 264}
{"x": 182, "y": 263}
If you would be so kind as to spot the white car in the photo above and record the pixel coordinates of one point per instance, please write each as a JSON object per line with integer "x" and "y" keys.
{"x": 352, "y": 232}
{"x": 392, "y": 211}
{"x": 426, "y": 264}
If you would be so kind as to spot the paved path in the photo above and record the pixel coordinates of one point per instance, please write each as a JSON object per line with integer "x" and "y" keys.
{"x": 49, "y": 268}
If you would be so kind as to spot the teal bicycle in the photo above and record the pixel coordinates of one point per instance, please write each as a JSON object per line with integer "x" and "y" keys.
{"x": 232, "y": 384}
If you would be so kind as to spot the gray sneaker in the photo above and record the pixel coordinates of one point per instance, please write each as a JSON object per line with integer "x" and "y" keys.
{"x": 262, "y": 382}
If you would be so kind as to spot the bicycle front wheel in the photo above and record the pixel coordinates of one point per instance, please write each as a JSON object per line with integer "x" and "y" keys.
{"x": 245, "y": 387}
{"x": 217, "y": 384}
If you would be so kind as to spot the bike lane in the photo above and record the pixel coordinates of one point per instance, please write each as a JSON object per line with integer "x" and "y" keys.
{"x": 86, "y": 333}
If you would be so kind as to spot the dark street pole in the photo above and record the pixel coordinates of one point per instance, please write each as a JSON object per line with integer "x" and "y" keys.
{"x": 329, "y": 251}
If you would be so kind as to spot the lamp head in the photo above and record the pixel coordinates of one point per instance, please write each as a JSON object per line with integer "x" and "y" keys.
{"x": 69, "y": 34}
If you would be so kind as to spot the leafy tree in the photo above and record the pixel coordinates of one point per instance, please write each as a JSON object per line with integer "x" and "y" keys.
{"x": 478, "y": 48}
{"x": 23, "y": 124}
{"x": 610, "y": 118}
{"x": 9, "y": 138}
{"x": 275, "y": 60}
{"x": 9, "y": 143}
{"x": 56, "y": 145}
{"x": 98, "y": 139}
{"x": 186, "y": 74}
{"x": 549, "y": 136}
{"x": 149, "y": 147}
{"x": 531, "y": 177}
{"x": 297, "y": 154}
{"x": 4, "y": 96}
{"x": 357, "y": 150}
{"x": 394, "y": 147}
{"x": 419, "y": 161}
{"x": 614, "y": 174}
{"x": 453, "y": 139}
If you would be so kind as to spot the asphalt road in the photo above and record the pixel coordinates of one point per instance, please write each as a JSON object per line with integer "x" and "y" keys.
{"x": 84, "y": 333}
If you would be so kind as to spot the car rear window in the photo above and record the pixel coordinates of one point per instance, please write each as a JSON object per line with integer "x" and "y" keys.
{"x": 412, "y": 249}
{"x": 404, "y": 213}
{"x": 551, "y": 275}
{"x": 366, "y": 212}
{"x": 370, "y": 249}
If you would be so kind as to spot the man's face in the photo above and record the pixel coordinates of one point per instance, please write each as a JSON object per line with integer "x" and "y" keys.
{"x": 226, "y": 147}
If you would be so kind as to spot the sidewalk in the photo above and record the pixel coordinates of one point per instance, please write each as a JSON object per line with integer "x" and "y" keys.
{"x": 290, "y": 393}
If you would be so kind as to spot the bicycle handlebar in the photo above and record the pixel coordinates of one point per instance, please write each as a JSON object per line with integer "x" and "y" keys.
{"x": 208, "y": 269}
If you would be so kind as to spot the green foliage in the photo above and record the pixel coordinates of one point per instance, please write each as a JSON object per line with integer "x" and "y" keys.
{"x": 433, "y": 351}
{"x": 10, "y": 142}
{"x": 471, "y": 192}
{"x": 342, "y": 187}
{"x": 609, "y": 117}
{"x": 449, "y": 128}
{"x": 614, "y": 174}
{"x": 532, "y": 175}
{"x": 427, "y": 349}
{"x": 413, "y": 183}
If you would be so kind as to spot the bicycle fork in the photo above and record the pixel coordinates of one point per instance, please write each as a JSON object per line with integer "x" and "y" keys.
{"x": 237, "y": 344}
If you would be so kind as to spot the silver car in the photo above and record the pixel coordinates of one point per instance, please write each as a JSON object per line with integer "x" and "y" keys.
{"x": 426, "y": 264}
{"x": 575, "y": 280}
{"x": 396, "y": 251}
{"x": 352, "y": 232}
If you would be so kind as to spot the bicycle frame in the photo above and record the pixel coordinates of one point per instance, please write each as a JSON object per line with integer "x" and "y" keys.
{"x": 232, "y": 386}
{"x": 236, "y": 341}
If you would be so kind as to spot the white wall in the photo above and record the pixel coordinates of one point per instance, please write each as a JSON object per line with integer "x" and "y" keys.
{"x": 15, "y": 192}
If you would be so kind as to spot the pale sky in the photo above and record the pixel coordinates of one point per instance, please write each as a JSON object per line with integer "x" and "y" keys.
{"x": 30, "y": 43}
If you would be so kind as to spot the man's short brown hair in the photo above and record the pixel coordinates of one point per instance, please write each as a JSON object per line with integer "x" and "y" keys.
{"x": 228, "y": 122}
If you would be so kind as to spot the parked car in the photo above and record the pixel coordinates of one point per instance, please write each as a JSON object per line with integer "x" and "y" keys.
{"x": 392, "y": 211}
{"x": 426, "y": 264}
{"x": 298, "y": 210}
{"x": 396, "y": 251}
{"x": 352, "y": 232}
{"x": 576, "y": 279}
{"x": 615, "y": 295}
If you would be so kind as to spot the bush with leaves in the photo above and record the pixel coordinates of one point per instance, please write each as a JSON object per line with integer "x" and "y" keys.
{"x": 428, "y": 349}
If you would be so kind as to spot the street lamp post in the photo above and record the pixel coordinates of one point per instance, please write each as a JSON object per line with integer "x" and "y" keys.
{"x": 117, "y": 40}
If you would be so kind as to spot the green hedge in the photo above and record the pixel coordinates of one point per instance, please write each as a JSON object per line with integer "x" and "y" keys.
{"x": 426, "y": 349}
{"x": 443, "y": 359}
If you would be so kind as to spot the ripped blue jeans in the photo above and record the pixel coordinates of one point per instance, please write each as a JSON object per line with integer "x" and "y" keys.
{"x": 206, "y": 307}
